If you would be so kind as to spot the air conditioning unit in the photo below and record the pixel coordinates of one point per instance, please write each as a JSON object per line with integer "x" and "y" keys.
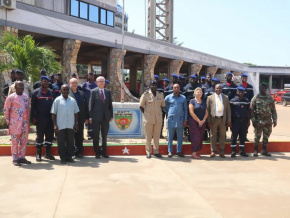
{"x": 9, "y": 4}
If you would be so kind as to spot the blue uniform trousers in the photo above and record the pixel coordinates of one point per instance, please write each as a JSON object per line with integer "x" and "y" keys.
{"x": 239, "y": 128}
{"x": 170, "y": 133}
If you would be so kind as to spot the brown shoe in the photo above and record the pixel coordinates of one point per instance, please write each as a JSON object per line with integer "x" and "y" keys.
{"x": 222, "y": 156}
{"x": 212, "y": 155}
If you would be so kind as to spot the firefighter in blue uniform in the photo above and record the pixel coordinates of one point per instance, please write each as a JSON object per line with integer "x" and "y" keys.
{"x": 41, "y": 102}
{"x": 249, "y": 92}
{"x": 169, "y": 89}
{"x": 188, "y": 90}
{"x": 240, "y": 107}
{"x": 56, "y": 87}
{"x": 210, "y": 90}
{"x": 229, "y": 87}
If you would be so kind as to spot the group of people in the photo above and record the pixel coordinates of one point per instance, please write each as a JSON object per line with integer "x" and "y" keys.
{"x": 57, "y": 108}
{"x": 64, "y": 109}
{"x": 206, "y": 105}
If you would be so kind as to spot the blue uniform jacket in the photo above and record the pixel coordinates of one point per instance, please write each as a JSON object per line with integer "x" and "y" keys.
{"x": 229, "y": 91}
{"x": 240, "y": 108}
{"x": 249, "y": 93}
{"x": 176, "y": 110}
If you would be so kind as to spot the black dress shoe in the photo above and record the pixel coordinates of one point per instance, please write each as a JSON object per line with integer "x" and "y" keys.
{"x": 158, "y": 155}
{"x": 70, "y": 160}
{"x": 49, "y": 157}
{"x": 16, "y": 163}
{"x": 63, "y": 161}
{"x": 170, "y": 154}
{"x": 180, "y": 154}
{"x": 148, "y": 156}
{"x": 23, "y": 160}
{"x": 105, "y": 156}
{"x": 98, "y": 156}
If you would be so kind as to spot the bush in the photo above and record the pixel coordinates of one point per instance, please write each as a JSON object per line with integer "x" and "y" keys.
{"x": 3, "y": 124}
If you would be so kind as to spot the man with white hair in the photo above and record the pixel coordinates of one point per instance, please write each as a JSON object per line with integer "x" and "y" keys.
{"x": 101, "y": 113}
{"x": 83, "y": 115}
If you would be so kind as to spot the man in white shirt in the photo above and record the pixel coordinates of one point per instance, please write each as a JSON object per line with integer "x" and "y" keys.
{"x": 218, "y": 119}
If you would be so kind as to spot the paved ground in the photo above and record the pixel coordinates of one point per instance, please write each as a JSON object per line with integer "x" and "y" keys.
{"x": 133, "y": 186}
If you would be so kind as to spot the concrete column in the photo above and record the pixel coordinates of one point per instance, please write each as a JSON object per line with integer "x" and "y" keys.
{"x": 237, "y": 77}
{"x": 133, "y": 78}
{"x": 70, "y": 51}
{"x": 195, "y": 69}
{"x": 115, "y": 64}
{"x": 270, "y": 82}
{"x": 212, "y": 70}
{"x": 105, "y": 67}
{"x": 149, "y": 65}
{"x": 174, "y": 67}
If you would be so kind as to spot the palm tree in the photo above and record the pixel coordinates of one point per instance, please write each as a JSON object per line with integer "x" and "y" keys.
{"x": 23, "y": 53}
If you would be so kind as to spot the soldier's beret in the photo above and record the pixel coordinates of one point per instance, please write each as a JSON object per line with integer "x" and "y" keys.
{"x": 193, "y": 76}
{"x": 244, "y": 75}
{"x": 44, "y": 77}
{"x": 107, "y": 81}
{"x": 19, "y": 71}
{"x": 174, "y": 75}
{"x": 203, "y": 77}
{"x": 156, "y": 76}
{"x": 241, "y": 88}
{"x": 153, "y": 82}
{"x": 229, "y": 73}
{"x": 215, "y": 79}
{"x": 165, "y": 79}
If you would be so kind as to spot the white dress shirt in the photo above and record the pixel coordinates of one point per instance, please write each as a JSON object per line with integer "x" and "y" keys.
{"x": 216, "y": 105}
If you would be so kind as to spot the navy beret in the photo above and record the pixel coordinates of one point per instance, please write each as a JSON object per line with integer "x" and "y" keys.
{"x": 156, "y": 76}
{"x": 229, "y": 73}
{"x": 244, "y": 75}
{"x": 174, "y": 75}
{"x": 165, "y": 79}
{"x": 215, "y": 79}
{"x": 241, "y": 88}
{"x": 193, "y": 76}
{"x": 19, "y": 71}
{"x": 203, "y": 77}
{"x": 107, "y": 81}
{"x": 44, "y": 77}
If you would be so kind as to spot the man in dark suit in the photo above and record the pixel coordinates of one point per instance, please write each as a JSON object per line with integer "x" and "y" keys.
{"x": 83, "y": 115}
{"x": 101, "y": 113}
{"x": 219, "y": 117}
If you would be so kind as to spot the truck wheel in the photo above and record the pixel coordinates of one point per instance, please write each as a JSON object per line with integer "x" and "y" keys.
{"x": 284, "y": 103}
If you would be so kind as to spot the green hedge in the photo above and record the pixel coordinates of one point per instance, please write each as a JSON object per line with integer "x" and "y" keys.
{"x": 3, "y": 124}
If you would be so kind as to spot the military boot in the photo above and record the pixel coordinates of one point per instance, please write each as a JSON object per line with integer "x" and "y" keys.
{"x": 48, "y": 154}
{"x": 233, "y": 155}
{"x": 38, "y": 154}
{"x": 243, "y": 153}
{"x": 264, "y": 152}
{"x": 255, "y": 151}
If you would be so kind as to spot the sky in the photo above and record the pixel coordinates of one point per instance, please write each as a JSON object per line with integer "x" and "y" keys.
{"x": 246, "y": 31}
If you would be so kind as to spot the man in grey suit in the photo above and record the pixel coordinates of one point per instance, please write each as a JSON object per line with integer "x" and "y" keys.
{"x": 101, "y": 113}
{"x": 219, "y": 117}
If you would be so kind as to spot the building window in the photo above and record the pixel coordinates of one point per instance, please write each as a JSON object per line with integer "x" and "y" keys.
{"x": 83, "y": 10}
{"x": 91, "y": 12}
{"x": 94, "y": 14}
{"x": 110, "y": 18}
{"x": 103, "y": 16}
{"x": 74, "y": 8}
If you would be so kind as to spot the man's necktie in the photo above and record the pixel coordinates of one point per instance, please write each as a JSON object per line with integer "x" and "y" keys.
{"x": 102, "y": 93}
{"x": 219, "y": 104}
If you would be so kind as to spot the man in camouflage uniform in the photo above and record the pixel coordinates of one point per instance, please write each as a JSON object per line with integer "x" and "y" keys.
{"x": 263, "y": 114}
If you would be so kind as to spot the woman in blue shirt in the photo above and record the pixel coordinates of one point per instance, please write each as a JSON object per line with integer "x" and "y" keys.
{"x": 197, "y": 121}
